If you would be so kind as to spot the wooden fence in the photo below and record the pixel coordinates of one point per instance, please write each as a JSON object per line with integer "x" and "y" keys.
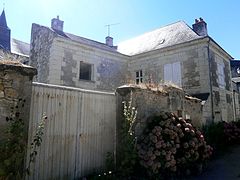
{"x": 79, "y": 131}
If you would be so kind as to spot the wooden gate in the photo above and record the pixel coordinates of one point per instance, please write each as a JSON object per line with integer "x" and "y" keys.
{"x": 79, "y": 131}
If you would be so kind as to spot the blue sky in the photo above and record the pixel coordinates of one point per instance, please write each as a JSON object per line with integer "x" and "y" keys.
{"x": 88, "y": 18}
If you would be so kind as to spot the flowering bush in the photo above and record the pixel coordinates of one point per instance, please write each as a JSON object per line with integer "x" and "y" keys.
{"x": 231, "y": 132}
{"x": 222, "y": 134}
{"x": 171, "y": 145}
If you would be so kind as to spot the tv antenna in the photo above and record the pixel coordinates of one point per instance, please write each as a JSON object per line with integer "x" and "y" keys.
{"x": 109, "y": 25}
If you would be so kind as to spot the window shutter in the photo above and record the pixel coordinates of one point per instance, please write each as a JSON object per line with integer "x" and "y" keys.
{"x": 168, "y": 73}
{"x": 176, "y": 73}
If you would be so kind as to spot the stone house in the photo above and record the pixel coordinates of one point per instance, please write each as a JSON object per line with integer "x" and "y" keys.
{"x": 174, "y": 53}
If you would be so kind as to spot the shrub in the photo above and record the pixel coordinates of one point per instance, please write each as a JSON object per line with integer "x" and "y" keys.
{"x": 222, "y": 134}
{"x": 171, "y": 145}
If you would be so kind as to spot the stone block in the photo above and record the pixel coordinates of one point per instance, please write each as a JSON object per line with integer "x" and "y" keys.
{"x": 1, "y": 94}
{"x": 11, "y": 93}
{"x": 1, "y": 87}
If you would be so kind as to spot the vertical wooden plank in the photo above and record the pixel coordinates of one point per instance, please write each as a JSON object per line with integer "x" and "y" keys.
{"x": 71, "y": 113}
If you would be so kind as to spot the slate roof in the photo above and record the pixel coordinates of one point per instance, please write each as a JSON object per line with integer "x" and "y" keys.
{"x": 86, "y": 41}
{"x": 3, "y": 22}
{"x": 169, "y": 35}
{"x": 19, "y": 47}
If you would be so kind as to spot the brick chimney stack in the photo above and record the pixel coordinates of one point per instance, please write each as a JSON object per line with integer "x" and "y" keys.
{"x": 109, "y": 41}
{"x": 200, "y": 27}
{"x": 57, "y": 24}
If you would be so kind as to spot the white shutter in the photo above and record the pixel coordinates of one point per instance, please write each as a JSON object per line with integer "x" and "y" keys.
{"x": 221, "y": 75}
{"x": 168, "y": 73}
{"x": 176, "y": 74}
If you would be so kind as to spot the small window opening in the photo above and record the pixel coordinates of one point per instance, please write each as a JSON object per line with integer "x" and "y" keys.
{"x": 85, "y": 71}
{"x": 139, "y": 77}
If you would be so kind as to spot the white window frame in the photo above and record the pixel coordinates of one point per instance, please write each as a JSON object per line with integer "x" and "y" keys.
{"x": 139, "y": 76}
{"x": 221, "y": 75}
{"x": 173, "y": 73}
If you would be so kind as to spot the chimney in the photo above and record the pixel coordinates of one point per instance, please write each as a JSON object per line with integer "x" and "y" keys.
{"x": 57, "y": 24}
{"x": 200, "y": 27}
{"x": 109, "y": 41}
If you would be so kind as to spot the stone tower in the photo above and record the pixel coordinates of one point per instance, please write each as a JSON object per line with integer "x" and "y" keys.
{"x": 5, "y": 33}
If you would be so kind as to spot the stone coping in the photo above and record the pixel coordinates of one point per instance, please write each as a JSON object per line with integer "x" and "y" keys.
{"x": 18, "y": 67}
{"x": 162, "y": 89}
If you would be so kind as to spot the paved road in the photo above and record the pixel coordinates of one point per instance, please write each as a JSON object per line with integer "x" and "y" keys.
{"x": 224, "y": 168}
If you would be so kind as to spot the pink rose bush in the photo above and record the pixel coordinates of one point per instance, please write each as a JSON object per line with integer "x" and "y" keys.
{"x": 171, "y": 145}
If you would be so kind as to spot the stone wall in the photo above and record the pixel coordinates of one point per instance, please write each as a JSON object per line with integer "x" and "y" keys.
{"x": 109, "y": 69}
{"x": 198, "y": 61}
{"x": 192, "y": 57}
{"x": 40, "y": 48}
{"x": 151, "y": 101}
{"x": 223, "y": 102}
{"x": 15, "y": 89}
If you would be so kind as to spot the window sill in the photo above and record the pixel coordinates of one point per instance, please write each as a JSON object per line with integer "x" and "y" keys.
{"x": 87, "y": 81}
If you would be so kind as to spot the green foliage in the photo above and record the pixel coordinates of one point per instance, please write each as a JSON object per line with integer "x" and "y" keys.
{"x": 215, "y": 136}
{"x": 222, "y": 135}
{"x": 110, "y": 162}
{"x": 36, "y": 142}
{"x": 128, "y": 157}
{"x": 13, "y": 145}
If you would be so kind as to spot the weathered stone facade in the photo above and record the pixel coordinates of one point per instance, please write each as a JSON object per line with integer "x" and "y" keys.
{"x": 58, "y": 55}
{"x": 15, "y": 87}
{"x": 58, "y": 61}
{"x": 194, "y": 58}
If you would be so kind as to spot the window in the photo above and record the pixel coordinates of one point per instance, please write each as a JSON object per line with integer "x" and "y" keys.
{"x": 172, "y": 73}
{"x": 85, "y": 71}
{"x": 221, "y": 75}
{"x": 139, "y": 77}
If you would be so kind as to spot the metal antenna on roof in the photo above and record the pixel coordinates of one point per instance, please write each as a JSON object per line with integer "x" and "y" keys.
{"x": 3, "y": 6}
{"x": 109, "y": 25}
